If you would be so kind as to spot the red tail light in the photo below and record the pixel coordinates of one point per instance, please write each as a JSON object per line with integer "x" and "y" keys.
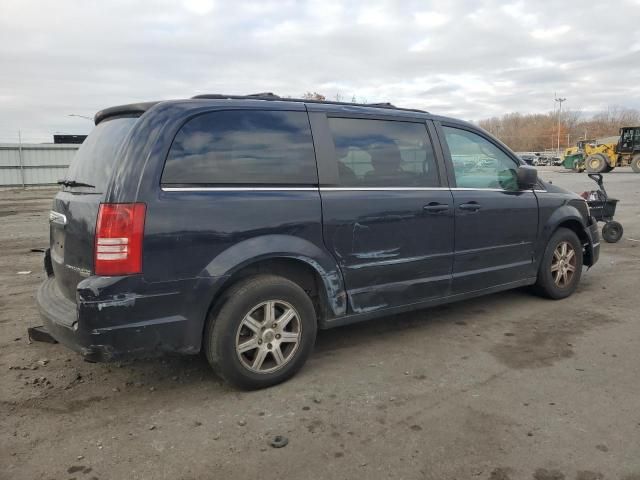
{"x": 119, "y": 232}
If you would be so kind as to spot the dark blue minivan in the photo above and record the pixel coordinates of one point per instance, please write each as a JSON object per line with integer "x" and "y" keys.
{"x": 239, "y": 225}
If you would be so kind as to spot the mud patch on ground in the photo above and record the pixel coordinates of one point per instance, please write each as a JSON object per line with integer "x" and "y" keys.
{"x": 501, "y": 474}
{"x": 541, "y": 340}
{"x": 55, "y": 405}
{"x": 493, "y": 433}
{"x": 589, "y": 475}
{"x": 544, "y": 474}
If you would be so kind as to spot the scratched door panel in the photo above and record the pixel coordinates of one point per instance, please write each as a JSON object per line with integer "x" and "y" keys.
{"x": 390, "y": 249}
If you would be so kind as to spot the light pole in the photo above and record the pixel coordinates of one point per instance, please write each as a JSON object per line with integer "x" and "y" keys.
{"x": 80, "y": 116}
{"x": 559, "y": 100}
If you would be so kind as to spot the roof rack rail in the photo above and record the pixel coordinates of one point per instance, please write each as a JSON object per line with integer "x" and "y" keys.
{"x": 382, "y": 104}
{"x": 269, "y": 96}
{"x": 265, "y": 94}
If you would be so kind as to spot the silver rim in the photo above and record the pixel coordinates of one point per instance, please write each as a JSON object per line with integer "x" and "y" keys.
{"x": 268, "y": 336}
{"x": 563, "y": 264}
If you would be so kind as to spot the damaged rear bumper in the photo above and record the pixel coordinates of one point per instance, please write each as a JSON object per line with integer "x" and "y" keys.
{"x": 105, "y": 326}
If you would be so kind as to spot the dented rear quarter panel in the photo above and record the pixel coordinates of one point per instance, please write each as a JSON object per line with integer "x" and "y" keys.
{"x": 212, "y": 245}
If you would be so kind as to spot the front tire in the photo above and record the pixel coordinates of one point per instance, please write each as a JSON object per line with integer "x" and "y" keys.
{"x": 635, "y": 163}
{"x": 262, "y": 333}
{"x": 596, "y": 163}
{"x": 561, "y": 265}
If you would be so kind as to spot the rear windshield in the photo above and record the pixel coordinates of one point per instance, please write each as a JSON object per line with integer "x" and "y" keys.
{"x": 94, "y": 160}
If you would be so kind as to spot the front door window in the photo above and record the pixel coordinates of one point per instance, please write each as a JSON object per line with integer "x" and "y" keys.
{"x": 478, "y": 163}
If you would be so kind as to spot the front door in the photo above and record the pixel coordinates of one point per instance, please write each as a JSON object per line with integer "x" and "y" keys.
{"x": 496, "y": 223}
{"x": 388, "y": 219}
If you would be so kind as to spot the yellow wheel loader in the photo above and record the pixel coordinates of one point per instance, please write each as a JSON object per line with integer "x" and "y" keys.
{"x": 602, "y": 156}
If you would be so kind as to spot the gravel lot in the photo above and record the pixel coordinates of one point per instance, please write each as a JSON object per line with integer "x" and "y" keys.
{"x": 508, "y": 386}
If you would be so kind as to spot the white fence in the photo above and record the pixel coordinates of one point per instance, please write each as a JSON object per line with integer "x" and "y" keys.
{"x": 26, "y": 165}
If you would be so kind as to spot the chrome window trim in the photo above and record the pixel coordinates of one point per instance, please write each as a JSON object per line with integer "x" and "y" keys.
{"x": 238, "y": 189}
{"x": 383, "y": 189}
{"x": 330, "y": 189}
{"x": 465, "y": 189}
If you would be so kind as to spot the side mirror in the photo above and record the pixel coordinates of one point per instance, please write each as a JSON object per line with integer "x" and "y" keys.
{"x": 527, "y": 177}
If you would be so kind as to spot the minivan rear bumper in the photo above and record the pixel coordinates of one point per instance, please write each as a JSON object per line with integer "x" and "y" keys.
{"x": 112, "y": 326}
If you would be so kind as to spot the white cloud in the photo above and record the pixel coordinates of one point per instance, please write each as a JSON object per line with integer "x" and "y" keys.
{"x": 431, "y": 19}
{"x": 420, "y": 46}
{"x": 550, "y": 33}
{"x": 375, "y": 16}
{"x": 199, "y": 7}
{"x": 518, "y": 12}
{"x": 535, "y": 62}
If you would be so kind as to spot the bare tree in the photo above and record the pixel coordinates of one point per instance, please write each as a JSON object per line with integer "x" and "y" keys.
{"x": 536, "y": 132}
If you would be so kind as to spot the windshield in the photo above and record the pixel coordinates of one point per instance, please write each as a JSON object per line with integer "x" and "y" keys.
{"x": 93, "y": 163}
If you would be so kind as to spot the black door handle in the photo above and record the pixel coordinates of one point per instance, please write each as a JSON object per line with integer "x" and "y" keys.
{"x": 471, "y": 206}
{"x": 434, "y": 207}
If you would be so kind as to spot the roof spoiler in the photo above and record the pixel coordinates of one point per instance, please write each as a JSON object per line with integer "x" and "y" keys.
{"x": 131, "y": 109}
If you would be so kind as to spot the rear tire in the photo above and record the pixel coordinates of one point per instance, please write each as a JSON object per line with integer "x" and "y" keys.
{"x": 561, "y": 265}
{"x": 596, "y": 163}
{"x": 612, "y": 231}
{"x": 247, "y": 341}
{"x": 635, "y": 163}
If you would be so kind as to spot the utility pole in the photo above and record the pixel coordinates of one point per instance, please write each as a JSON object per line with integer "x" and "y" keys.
{"x": 559, "y": 100}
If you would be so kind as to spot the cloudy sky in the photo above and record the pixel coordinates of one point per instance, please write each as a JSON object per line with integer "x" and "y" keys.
{"x": 470, "y": 59}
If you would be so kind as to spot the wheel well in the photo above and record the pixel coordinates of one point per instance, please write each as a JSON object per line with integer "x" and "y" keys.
{"x": 298, "y": 271}
{"x": 576, "y": 227}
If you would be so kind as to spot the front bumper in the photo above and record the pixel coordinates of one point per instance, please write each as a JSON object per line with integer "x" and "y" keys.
{"x": 105, "y": 326}
{"x": 592, "y": 247}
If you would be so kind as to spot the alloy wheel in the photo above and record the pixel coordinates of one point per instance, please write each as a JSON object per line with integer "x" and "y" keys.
{"x": 268, "y": 336}
{"x": 563, "y": 264}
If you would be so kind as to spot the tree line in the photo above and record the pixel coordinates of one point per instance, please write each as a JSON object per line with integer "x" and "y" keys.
{"x": 538, "y": 132}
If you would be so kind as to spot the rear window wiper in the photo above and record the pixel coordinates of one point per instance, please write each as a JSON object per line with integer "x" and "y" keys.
{"x": 73, "y": 183}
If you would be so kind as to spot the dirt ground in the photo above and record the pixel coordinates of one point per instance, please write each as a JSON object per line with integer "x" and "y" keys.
{"x": 509, "y": 386}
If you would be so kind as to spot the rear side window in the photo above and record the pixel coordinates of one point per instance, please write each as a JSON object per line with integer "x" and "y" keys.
{"x": 243, "y": 147}
{"x": 94, "y": 160}
{"x": 381, "y": 153}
